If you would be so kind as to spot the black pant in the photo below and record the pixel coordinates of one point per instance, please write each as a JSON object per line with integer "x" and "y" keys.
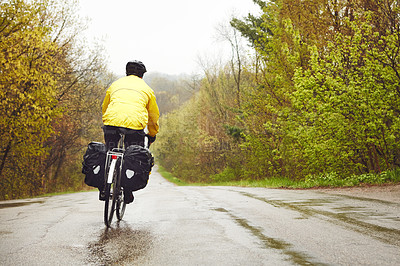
{"x": 132, "y": 136}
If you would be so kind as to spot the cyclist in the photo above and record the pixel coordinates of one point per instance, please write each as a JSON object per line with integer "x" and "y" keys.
{"x": 129, "y": 106}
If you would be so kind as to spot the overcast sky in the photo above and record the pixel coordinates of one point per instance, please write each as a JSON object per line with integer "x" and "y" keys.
{"x": 168, "y": 36}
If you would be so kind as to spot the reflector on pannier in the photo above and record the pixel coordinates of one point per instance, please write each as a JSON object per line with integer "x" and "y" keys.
{"x": 138, "y": 162}
{"x": 94, "y": 163}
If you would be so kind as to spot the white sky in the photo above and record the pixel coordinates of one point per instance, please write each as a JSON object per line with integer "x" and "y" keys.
{"x": 168, "y": 36}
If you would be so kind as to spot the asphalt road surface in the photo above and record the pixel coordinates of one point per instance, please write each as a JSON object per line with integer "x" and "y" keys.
{"x": 171, "y": 225}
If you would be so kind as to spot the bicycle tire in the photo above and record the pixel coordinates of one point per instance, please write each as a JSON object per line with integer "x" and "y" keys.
{"x": 111, "y": 200}
{"x": 120, "y": 210}
{"x": 107, "y": 205}
{"x": 121, "y": 205}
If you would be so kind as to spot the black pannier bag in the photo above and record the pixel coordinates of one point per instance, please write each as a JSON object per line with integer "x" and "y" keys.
{"x": 94, "y": 163}
{"x": 136, "y": 167}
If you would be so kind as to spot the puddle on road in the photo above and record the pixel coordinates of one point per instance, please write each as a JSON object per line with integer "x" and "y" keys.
{"x": 18, "y": 204}
{"x": 350, "y": 219}
{"x": 120, "y": 245}
{"x": 269, "y": 242}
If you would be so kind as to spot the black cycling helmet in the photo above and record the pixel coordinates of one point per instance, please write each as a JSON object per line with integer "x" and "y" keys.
{"x": 136, "y": 68}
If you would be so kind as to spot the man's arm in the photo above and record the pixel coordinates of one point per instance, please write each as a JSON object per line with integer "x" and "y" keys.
{"x": 154, "y": 114}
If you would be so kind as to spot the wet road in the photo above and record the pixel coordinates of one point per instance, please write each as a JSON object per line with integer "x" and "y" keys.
{"x": 170, "y": 225}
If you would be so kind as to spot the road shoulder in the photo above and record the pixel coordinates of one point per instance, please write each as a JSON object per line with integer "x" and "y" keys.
{"x": 385, "y": 192}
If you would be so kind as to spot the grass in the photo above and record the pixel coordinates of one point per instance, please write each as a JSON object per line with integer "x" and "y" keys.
{"x": 311, "y": 181}
{"x": 64, "y": 192}
{"x": 167, "y": 175}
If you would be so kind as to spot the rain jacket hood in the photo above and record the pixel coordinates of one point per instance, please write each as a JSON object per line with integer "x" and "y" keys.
{"x": 131, "y": 103}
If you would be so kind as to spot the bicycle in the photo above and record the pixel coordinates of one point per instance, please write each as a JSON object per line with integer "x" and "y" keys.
{"x": 113, "y": 191}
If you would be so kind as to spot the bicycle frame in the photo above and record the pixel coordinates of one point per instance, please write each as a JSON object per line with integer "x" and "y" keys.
{"x": 114, "y": 158}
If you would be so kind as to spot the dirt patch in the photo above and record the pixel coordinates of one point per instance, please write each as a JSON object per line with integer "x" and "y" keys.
{"x": 385, "y": 192}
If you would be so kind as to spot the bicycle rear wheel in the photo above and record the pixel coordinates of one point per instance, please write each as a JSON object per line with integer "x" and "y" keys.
{"x": 111, "y": 193}
{"x": 121, "y": 205}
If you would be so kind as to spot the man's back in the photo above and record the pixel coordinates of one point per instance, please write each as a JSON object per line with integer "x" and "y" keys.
{"x": 130, "y": 103}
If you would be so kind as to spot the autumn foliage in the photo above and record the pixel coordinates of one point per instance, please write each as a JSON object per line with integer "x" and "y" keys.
{"x": 49, "y": 93}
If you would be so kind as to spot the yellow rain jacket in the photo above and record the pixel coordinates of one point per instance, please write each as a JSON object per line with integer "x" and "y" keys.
{"x": 131, "y": 103}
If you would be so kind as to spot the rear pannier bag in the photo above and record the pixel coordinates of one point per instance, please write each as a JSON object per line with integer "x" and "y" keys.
{"x": 94, "y": 163}
{"x": 136, "y": 167}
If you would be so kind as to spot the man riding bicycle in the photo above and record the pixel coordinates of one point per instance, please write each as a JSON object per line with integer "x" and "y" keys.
{"x": 129, "y": 106}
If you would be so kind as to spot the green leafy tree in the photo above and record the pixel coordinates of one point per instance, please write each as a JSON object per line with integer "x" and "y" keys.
{"x": 176, "y": 147}
{"x": 321, "y": 96}
{"x": 348, "y": 102}
{"x": 281, "y": 37}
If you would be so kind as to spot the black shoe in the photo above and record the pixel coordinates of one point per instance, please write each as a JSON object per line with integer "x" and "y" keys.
{"x": 102, "y": 196}
{"x": 128, "y": 197}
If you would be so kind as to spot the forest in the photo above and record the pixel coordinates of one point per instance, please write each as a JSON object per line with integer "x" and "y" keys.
{"x": 317, "y": 96}
{"x": 312, "y": 89}
{"x": 50, "y": 87}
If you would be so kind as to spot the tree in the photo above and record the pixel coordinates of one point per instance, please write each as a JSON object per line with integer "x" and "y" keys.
{"x": 48, "y": 88}
{"x": 79, "y": 94}
{"x": 320, "y": 96}
{"x": 28, "y": 83}
{"x": 347, "y": 103}
{"x": 172, "y": 91}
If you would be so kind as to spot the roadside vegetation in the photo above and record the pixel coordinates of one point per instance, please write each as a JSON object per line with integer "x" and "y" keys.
{"x": 323, "y": 180}
{"x": 51, "y": 85}
{"x": 310, "y": 97}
